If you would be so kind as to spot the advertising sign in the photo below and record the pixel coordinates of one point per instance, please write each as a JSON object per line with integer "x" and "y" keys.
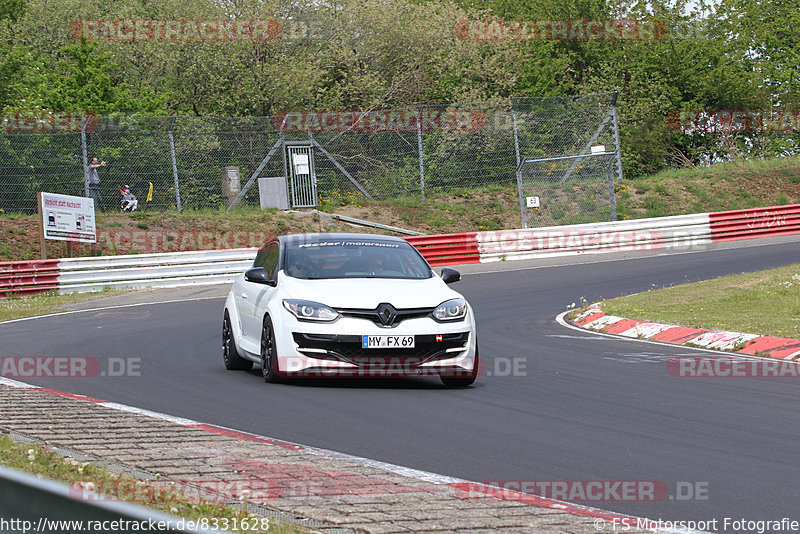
{"x": 68, "y": 218}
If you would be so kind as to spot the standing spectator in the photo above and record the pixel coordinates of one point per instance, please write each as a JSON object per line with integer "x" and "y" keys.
{"x": 94, "y": 182}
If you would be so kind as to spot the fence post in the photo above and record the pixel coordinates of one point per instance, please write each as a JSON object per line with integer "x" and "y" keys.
{"x": 85, "y": 152}
{"x": 514, "y": 127}
{"x": 618, "y": 155}
{"x": 521, "y": 194}
{"x": 611, "y": 193}
{"x": 174, "y": 165}
{"x": 419, "y": 148}
{"x": 520, "y": 191}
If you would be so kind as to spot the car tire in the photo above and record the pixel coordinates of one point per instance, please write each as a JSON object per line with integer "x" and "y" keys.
{"x": 463, "y": 381}
{"x": 230, "y": 354}
{"x": 269, "y": 354}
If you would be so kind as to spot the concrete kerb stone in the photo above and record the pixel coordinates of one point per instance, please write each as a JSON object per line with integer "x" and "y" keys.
{"x": 306, "y": 486}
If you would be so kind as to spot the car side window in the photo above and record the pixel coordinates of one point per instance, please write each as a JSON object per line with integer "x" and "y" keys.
{"x": 259, "y": 261}
{"x": 270, "y": 260}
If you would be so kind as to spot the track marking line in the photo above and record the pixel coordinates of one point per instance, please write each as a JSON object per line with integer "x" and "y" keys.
{"x": 116, "y": 307}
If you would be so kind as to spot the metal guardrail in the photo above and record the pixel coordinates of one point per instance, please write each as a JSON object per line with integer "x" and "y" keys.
{"x": 755, "y": 222}
{"x": 160, "y": 258}
{"x": 31, "y": 504}
{"x": 27, "y": 277}
{"x": 176, "y": 269}
{"x": 619, "y": 236}
{"x": 680, "y": 231}
{"x": 361, "y": 222}
{"x": 172, "y": 269}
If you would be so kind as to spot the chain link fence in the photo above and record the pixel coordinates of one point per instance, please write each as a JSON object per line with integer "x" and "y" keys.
{"x": 571, "y": 157}
{"x": 355, "y": 155}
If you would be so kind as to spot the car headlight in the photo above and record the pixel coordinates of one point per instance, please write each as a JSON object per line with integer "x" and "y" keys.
{"x": 307, "y": 310}
{"x": 451, "y": 310}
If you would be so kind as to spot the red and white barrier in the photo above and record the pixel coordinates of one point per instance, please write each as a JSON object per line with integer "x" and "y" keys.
{"x": 28, "y": 277}
{"x": 637, "y": 235}
{"x": 680, "y": 231}
{"x": 205, "y": 267}
{"x": 756, "y": 222}
{"x": 448, "y": 249}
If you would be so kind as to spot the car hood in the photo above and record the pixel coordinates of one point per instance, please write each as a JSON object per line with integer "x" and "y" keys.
{"x": 367, "y": 293}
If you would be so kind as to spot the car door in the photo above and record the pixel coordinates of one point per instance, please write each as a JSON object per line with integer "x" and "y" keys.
{"x": 242, "y": 301}
{"x": 254, "y": 295}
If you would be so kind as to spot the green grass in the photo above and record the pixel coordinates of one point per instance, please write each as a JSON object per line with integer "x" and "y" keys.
{"x": 15, "y": 307}
{"x": 725, "y": 186}
{"x": 764, "y": 302}
{"x": 40, "y": 461}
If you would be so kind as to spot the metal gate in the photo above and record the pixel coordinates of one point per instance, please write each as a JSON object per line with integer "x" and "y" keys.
{"x": 568, "y": 173}
{"x": 302, "y": 178}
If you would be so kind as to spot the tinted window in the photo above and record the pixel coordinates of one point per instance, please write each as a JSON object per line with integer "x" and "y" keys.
{"x": 259, "y": 261}
{"x": 270, "y": 260}
{"x": 355, "y": 259}
{"x": 267, "y": 258}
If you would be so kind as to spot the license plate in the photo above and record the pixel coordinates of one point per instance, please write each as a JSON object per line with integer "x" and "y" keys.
{"x": 387, "y": 342}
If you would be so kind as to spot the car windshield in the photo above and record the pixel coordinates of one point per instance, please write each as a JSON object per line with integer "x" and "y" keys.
{"x": 344, "y": 258}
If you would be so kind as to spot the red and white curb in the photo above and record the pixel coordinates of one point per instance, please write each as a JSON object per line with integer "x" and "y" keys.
{"x": 460, "y": 485}
{"x": 596, "y": 320}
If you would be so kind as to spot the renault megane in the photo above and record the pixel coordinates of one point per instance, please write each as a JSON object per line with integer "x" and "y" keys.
{"x": 348, "y": 305}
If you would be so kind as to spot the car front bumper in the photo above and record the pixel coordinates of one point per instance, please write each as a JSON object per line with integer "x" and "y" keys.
{"x": 335, "y": 349}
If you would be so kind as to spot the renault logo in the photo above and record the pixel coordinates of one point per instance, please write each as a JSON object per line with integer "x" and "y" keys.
{"x": 386, "y": 313}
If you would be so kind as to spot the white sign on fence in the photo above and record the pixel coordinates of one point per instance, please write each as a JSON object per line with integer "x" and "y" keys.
{"x": 532, "y": 202}
{"x": 301, "y": 165}
{"x": 68, "y": 218}
{"x": 598, "y": 149}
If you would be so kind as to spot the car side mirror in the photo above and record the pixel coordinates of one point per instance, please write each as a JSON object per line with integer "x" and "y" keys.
{"x": 450, "y": 275}
{"x": 259, "y": 275}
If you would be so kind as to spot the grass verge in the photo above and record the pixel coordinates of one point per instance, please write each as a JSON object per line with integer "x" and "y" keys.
{"x": 764, "y": 302}
{"x": 45, "y": 463}
{"x": 15, "y": 307}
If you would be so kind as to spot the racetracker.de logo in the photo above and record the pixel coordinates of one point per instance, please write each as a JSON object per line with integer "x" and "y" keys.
{"x": 729, "y": 367}
{"x": 585, "y": 490}
{"x": 67, "y": 367}
{"x": 428, "y": 120}
{"x": 734, "y": 121}
{"x": 179, "y": 240}
{"x": 561, "y": 30}
{"x": 129, "y": 30}
{"x": 44, "y": 120}
{"x": 219, "y": 491}
{"x": 376, "y": 367}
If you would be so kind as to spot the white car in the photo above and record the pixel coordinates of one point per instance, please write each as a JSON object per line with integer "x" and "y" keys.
{"x": 348, "y": 305}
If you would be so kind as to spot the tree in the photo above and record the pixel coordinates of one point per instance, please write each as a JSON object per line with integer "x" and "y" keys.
{"x": 83, "y": 78}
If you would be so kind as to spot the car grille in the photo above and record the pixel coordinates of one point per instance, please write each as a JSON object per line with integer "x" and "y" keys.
{"x": 385, "y": 314}
{"x": 348, "y": 348}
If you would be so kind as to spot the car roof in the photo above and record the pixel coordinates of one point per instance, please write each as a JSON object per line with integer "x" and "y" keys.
{"x": 340, "y": 236}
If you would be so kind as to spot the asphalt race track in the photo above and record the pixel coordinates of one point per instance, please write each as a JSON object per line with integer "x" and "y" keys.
{"x": 581, "y": 407}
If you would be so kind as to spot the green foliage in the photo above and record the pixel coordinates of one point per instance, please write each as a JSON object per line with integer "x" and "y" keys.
{"x": 83, "y": 78}
{"x": 11, "y": 10}
{"x": 373, "y": 54}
